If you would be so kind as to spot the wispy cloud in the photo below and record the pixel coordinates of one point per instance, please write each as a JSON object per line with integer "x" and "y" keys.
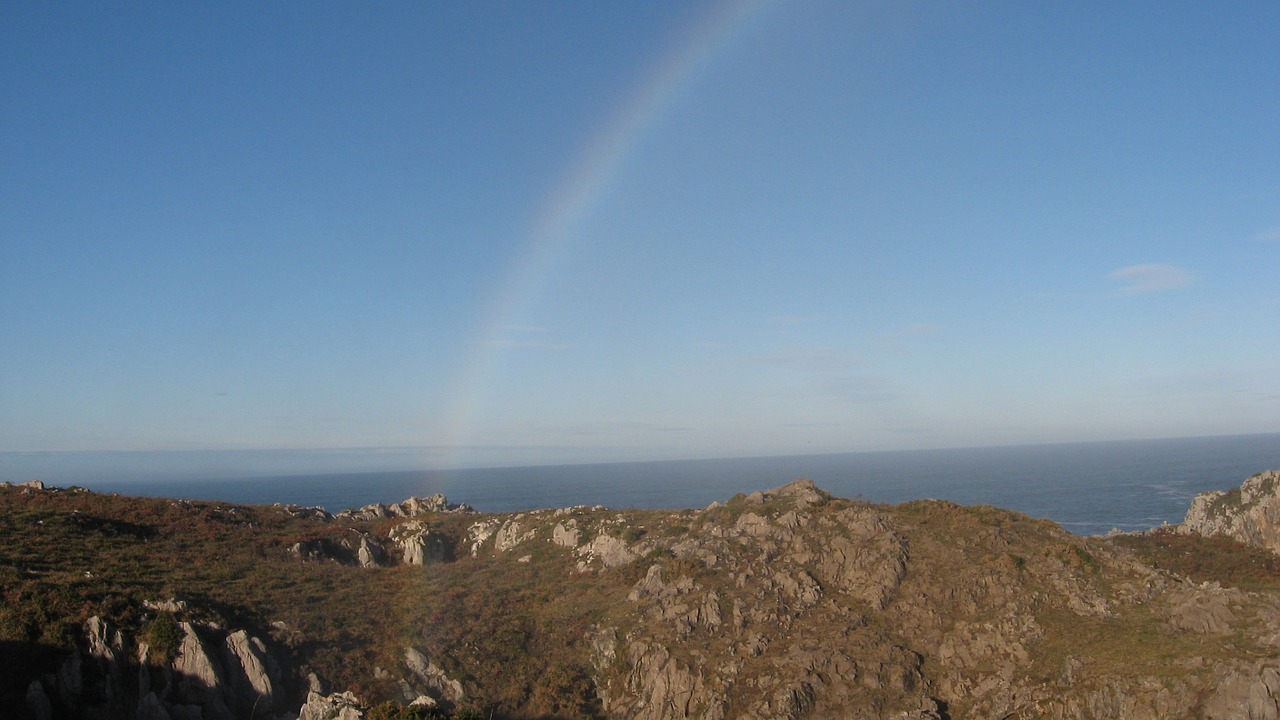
{"x": 1151, "y": 278}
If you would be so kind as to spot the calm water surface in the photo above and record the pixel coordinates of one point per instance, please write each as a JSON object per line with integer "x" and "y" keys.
{"x": 1088, "y": 488}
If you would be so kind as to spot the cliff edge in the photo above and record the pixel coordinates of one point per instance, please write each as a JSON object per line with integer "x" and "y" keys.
{"x": 1249, "y": 514}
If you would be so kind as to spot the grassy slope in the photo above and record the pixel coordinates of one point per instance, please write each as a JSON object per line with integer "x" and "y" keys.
{"x": 68, "y": 555}
{"x": 514, "y": 631}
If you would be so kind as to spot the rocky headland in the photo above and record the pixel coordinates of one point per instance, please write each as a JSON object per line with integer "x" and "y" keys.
{"x": 1249, "y": 513}
{"x": 786, "y": 603}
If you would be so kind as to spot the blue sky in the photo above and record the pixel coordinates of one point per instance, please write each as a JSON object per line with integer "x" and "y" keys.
{"x": 492, "y": 233}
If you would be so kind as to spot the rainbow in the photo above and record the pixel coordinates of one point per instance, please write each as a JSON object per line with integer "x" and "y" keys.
{"x": 590, "y": 177}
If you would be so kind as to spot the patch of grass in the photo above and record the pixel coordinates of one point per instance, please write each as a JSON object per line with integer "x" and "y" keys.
{"x": 1136, "y": 642}
{"x": 1083, "y": 559}
{"x": 1207, "y": 559}
{"x": 163, "y": 636}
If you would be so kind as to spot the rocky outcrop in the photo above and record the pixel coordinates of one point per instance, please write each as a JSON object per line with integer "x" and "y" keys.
{"x": 201, "y": 680}
{"x": 370, "y": 553}
{"x": 338, "y": 706}
{"x": 324, "y": 550}
{"x": 412, "y": 507}
{"x": 783, "y": 603}
{"x": 419, "y": 545}
{"x": 416, "y": 542}
{"x": 770, "y": 593}
{"x": 1249, "y": 514}
{"x": 429, "y": 681}
{"x": 254, "y": 687}
{"x": 1246, "y": 693}
{"x": 114, "y": 676}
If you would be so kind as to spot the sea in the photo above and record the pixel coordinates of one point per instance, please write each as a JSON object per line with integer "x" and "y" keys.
{"x": 1087, "y": 488}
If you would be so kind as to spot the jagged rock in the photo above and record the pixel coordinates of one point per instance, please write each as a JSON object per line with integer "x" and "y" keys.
{"x": 433, "y": 679}
{"x": 1203, "y": 611}
{"x": 200, "y": 680}
{"x": 411, "y": 507}
{"x": 313, "y": 512}
{"x": 607, "y": 550}
{"x": 1249, "y": 514}
{"x": 420, "y": 546}
{"x": 1246, "y": 693}
{"x": 803, "y": 492}
{"x": 371, "y": 553}
{"x": 106, "y": 649}
{"x": 566, "y": 534}
{"x": 254, "y": 676}
{"x": 663, "y": 687}
{"x": 418, "y": 506}
{"x": 865, "y": 559}
{"x": 338, "y": 706}
{"x": 480, "y": 532}
{"x": 511, "y": 534}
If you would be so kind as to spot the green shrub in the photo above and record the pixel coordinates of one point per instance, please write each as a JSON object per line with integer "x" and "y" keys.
{"x": 163, "y": 636}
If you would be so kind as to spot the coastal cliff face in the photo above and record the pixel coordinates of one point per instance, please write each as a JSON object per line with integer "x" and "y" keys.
{"x": 780, "y": 604}
{"x": 1249, "y": 513}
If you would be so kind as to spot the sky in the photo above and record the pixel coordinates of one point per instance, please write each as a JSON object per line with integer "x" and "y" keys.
{"x": 487, "y": 233}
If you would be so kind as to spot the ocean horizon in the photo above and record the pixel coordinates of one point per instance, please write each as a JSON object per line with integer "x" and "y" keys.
{"x": 1088, "y": 488}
